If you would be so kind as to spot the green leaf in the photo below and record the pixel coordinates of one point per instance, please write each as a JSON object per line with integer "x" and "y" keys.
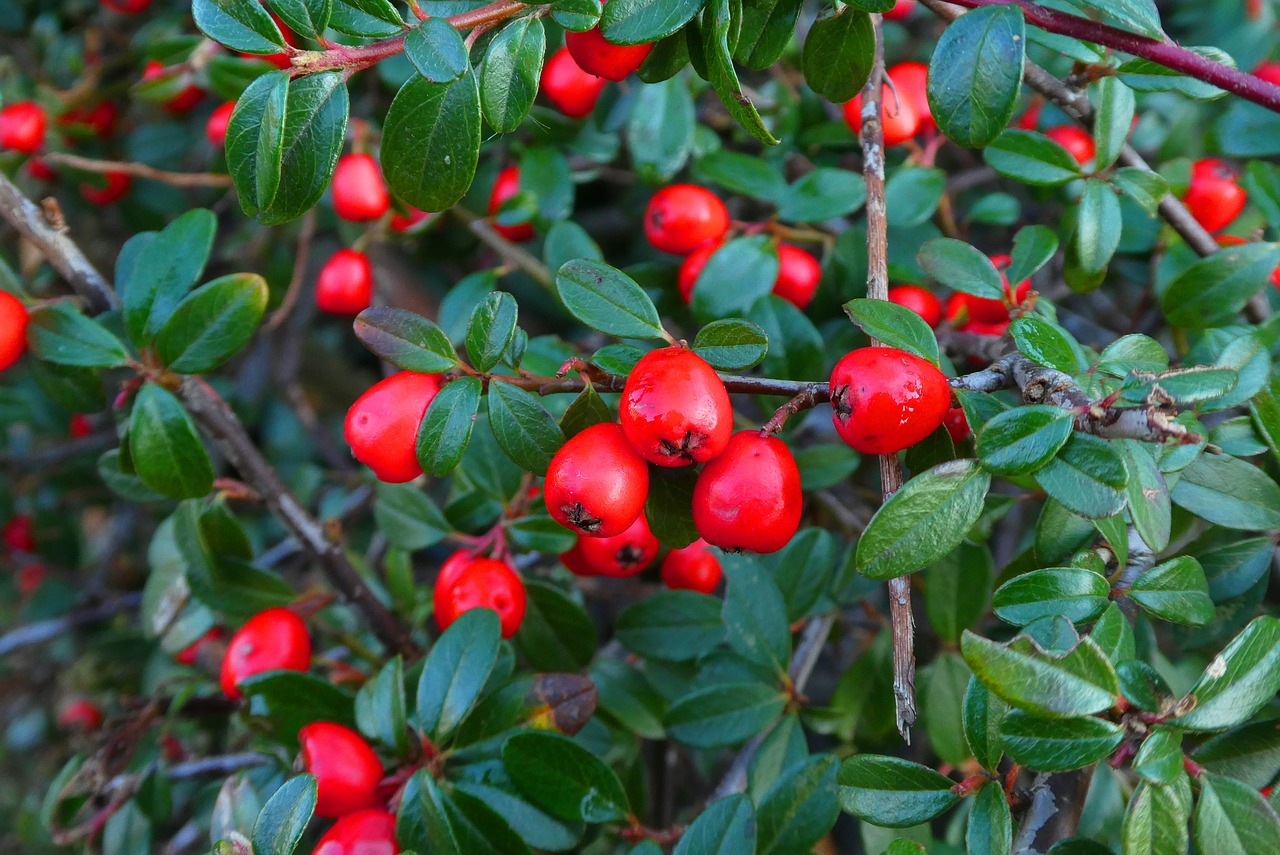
{"x": 1215, "y": 289}
{"x": 1113, "y": 104}
{"x": 242, "y": 25}
{"x": 288, "y": 701}
{"x": 1175, "y": 591}
{"x": 1264, "y": 409}
{"x": 912, "y": 196}
{"x": 452, "y": 822}
{"x": 1145, "y": 188}
{"x": 1077, "y": 595}
{"x": 525, "y": 431}
{"x": 983, "y": 712}
{"x": 1155, "y": 821}
{"x": 556, "y": 634}
{"x": 1148, "y": 494}
{"x": 576, "y": 15}
{"x": 1088, "y": 477}
{"x": 168, "y": 264}
{"x": 838, "y": 53}
{"x": 255, "y": 141}
{"x": 1230, "y": 493}
{"x": 726, "y": 827}
{"x": 1098, "y": 224}
{"x": 751, "y": 263}
{"x": 894, "y": 325}
{"x": 755, "y": 616}
{"x": 1022, "y": 440}
{"x": 58, "y": 333}
{"x": 660, "y": 132}
{"x": 1058, "y": 745}
{"x": 633, "y": 22}
{"x": 431, "y": 141}
{"x": 731, "y": 344}
{"x": 1079, "y": 682}
{"x": 1136, "y": 16}
{"x": 1133, "y": 353}
{"x": 607, "y": 300}
{"x": 380, "y": 707}
{"x": 893, "y": 792}
{"x": 956, "y": 590}
{"x": 564, "y": 779}
{"x": 1181, "y": 385}
{"x": 725, "y": 714}
{"x": 165, "y": 448}
{"x": 509, "y": 77}
{"x": 990, "y": 827}
{"x": 976, "y": 73}
{"x": 213, "y": 323}
{"x": 946, "y": 680}
{"x": 1045, "y": 344}
{"x": 672, "y": 625}
{"x": 962, "y": 267}
{"x": 285, "y": 816}
{"x": 406, "y": 340}
{"x": 1031, "y": 158}
{"x": 669, "y": 507}
{"x": 717, "y": 22}
{"x": 1239, "y": 680}
{"x": 409, "y": 519}
{"x": 740, "y": 173}
{"x": 307, "y": 18}
{"x": 586, "y": 410}
{"x": 455, "y": 672}
{"x": 1232, "y": 818}
{"x": 491, "y": 331}
{"x": 1159, "y": 760}
{"x": 628, "y": 697}
{"x": 823, "y": 194}
{"x": 924, "y": 520}
{"x": 446, "y": 428}
{"x": 799, "y": 809}
{"x": 437, "y": 51}
{"x": 766, "y": 30}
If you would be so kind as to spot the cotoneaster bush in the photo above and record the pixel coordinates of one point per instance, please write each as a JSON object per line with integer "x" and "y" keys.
{"x": 712, "y": 427}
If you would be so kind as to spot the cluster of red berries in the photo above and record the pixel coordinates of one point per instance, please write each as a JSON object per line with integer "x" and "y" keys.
{"x": 575, "y": 75}
{"x": 904, "y": 104}
{"x": 18, "y": 540}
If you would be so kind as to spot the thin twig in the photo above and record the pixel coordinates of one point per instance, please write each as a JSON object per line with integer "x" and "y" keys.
{"x": 300, "y": 259}
{"x": 41, "y": 631}
{"x": 516, "y": 254}
{"x": 139, "y": 170}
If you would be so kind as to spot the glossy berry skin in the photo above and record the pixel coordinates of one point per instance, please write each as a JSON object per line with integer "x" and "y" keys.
{"x": 22, "y": 127}
{"x": 271, "y": 640}
{"x": 18, "y": 534}
{"x": 1268, "y": 71}
{"x": 919, "y": 300}
{"x": 483, "y": 583}
{"x": 884, "y": 399}
{"x": 506, "y": 186}
{"x": 693, "y": 568}
{"x": 382, "y": 425}
{"x": 798, "y": 276}
{"x": 13, "y": 329}
{"x": 365, "y": 832}
{"x": 1075, "y": 140}
{"x": 898, "y": 116}
{"x": 1214, "y": 198}
{"x": 901, "y": 10}
{"x": 215, "y": 129}
{"x": 597, "y": 55}
{"x": 682, "y": 217}
{"x": 359, "y": 193}
{"x": 674, "y": 409}
{"x": 80, "y": 715}
{"x": 957, "y": 424}
{"x": 749, "y": 497}
{"x": 191, "y": 654}
{"x": 596, "y": 484}
{"x": 127, "y": 7}
{"x": 345, "y": 284}
{"x": 691, "y": 268}
{"x": 185, "y": 100}
{"x": 570, "y": 90}
{"x": 619, "y": 556}
{"x": 116, "y": 186}
{"x": 912, "y": 80}
{"x": 346, "y": 769}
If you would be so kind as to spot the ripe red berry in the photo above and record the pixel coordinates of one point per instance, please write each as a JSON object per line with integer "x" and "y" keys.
{"x": 100, "y": 119}
{"x": 1268, "y": 71}
{"x": 1031, "y": 118}
{"x": 912, "y": 80}
{"x": 402, "y": 223}
{"x": 115, "y": 186}
{"x": 597, "y": 55}
{"x": 1214, "y": 198}
{"x": 13, "y": 329}
{"x": 682, "y": 217}
{"x": 619, "y": 556}
{"x": 40, "y": 170}
{"x": 884, "y": 399}
{"x": 365, "y": 832}
{"x": 506, "y": 186}
{"x": 901, "y": 10}
{"x": 1075, "y": 140}
{"x": 127, "y": 7}
{"x": 190, "y": 654}
{"x": 693, "y": 568}
{"x": 482, "y": 583}
{"x": 346, "y": 769}
{"x": 691, "y": 268}
{"x": 919, "y": 300}
{"x": 271, "y": 640}
{"x": 798, "y": 276}
{"x": 30, "y": 578}
{"x": 674, "y": 408}
{"x": 597, "y": 484}
{"x": 80, "y": 715}
{"x": 22, "y": 127}
{"x": 966, "y": 309}
{"x": 345, "y": 283}
{"x": 215, "y": 130}
{"x": 957, "y": 424}
{"x": 185, "y": 100}
{"x": 359, "y": 193}
{"x": 79, "y": 426}
{"x": 749, "y": 497}
{"x": 898, "y": 116}
{"x": 571, "y": 90}
{"x": 998, "y": 328}
{"x": 18, "y": 534}
{"x": 382, "y": 425}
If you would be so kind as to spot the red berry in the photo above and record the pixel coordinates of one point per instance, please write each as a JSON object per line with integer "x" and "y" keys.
{"x": 884, "y": 399}
{"x": 597, "y": 55}
{"x": 79, "y": 426}
{"x": 190, "y": 655}
{"x": 571, "y": 90}
{"x": 749, "y": 497}
{"x": 345, "y": 283}
{"x": 693, "y": 568}
{"x": 682, "y": 217}
{"x": 575, "y": 559}
{"x": 674, "y": 408}
{"x": 1214, "y": 198}
{"x": 185, "y": 100}
{"x": 1031, "y": 119}
{"x": 365, "y": 832}
{"x": 506, "y": 186}
{"x": 912, "y": 80}
{"x": 359, "y": 193}
{"x": 597, "y": 484}
{"x": 966, "y": 309}
{"x": 115, "y": 187}
{"x": 382, "y": 425}
{"x": 957, "y": 424}
{"x": 18, "y": 534}
{"x": 31, "y": 577}
{"x": 271, "y": 640}
{"x": 919, "y": 300}
{"x": 127, "y": 7}
{"x": 998, "y": 328}
{"x": 215, "y": 130}
{"x": 901, "y": 10}
{"x": 619, "y": 556}
{"x": 691, "y": 268}
{"x": 483, "y": 583}
{"x": 346, "y": 769}
{"x": 452, "y": 568}
{"x": 40, "y": 170}
{"x": 22, "y": 127}
{"x": 1268, "y": 71}
{"x": 13, "y": 329}
{"x": 100, "y": 119}
{"x": 401, "y": 223}
{"x": 1015, "y": 296}
{"x": 897, "y": 114}
{"x": 1075, "y": 140}
{"x": 798, "y": 275}
{"x": 81, "y": 714}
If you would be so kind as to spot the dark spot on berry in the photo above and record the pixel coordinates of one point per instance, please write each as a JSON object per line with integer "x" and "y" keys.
{"x": 580, "y": 519}
{"x": 840, "y": 403}
{"x": 629, "y": 556}
{"x": 685, "y": 448}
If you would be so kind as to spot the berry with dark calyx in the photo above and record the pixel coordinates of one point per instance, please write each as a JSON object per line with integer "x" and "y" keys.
{"x": 22, "y": 127}
{"x": 114, "y": 187}
{"x": 798, "y": 276}
{"x": 185, "y": 100}
{"x": 18, "y": 534}
{"x": 694, "y": 568}
{"x": 675, "y": 410}
{"x": 749, "y": 497}
{"x": 81, "y": 715}
{"x": 347, "y": 770}
{"x": 1213, "y": 197}
{"x": 597, "y": 55}
{"x": 505, "y": 186}
{"x": 691, "y": 268}
{"x": 13, "y": 329}
{"x": 597, "y": 484}
{"x": 682, "y": 217}
{"x": 884, "y": 399}
{"x": 957, "y": 424}
{"x": 912, "y": 80}
{"x": 901, "y": 10}
{"x": 359, "y": 193}
{"x": 1075, "y": 140}
{"x": 190, "y": 654}
{"x": 345, "y": 283}
{"x": 570, "y": 90}
{"x": 365, "y": 832}
{"x": 619, "y": 556}
{"x": 922, "y": 301}
{"x": 483, "y": 583}
{"x": 271, "y": 640}
{"x": 382, "y": 425}
{"x": 898, "y": 116}
{"x": 215, "y": 129}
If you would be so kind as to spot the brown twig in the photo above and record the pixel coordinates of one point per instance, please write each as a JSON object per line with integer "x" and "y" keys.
{"x": 512, "y": 252}
{"x": 140, "y": 170}
{"x": 300, "y": 259}
{"x": 806, "y": 399}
